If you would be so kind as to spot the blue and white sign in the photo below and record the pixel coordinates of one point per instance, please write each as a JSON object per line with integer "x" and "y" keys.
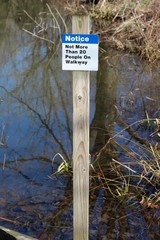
{"x": 80, "y": 52}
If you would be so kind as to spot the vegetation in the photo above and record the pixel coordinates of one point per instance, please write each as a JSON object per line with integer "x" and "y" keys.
{"x": 128, "y": 25}
{"x": 131, "y": 26}
{"x": 126, "y": 172}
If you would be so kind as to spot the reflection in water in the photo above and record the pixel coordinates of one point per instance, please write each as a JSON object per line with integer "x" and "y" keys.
{"x": 36, "y": 120}
{"x": 119, "y": 213}
{"x": 105, "y": 112}
{"x": 36, "y": 123}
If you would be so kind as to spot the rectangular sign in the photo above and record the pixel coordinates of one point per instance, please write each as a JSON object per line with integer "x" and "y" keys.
{"x": 80, "y": 52}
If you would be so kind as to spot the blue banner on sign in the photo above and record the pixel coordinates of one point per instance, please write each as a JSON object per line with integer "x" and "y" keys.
{"x": 80, "y": 38}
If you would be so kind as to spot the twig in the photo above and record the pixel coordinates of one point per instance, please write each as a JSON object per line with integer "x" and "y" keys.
{"x": 8, "y": 220}
{"x": 34, "y": 35}
{"x": 125, "y": 24}
{"x": 65, "y": 26}
{"x": 123, "y": 165}
{"x": 54, "y": 18}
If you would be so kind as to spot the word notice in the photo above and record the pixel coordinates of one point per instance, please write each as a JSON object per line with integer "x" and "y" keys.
{"x": 80, "y": 52}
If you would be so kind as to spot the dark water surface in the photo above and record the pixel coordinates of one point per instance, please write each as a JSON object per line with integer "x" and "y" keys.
{"x": 36, "y": 124}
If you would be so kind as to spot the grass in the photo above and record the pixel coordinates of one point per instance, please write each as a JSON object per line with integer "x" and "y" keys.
{"x": 122, "y": 181}
{"x": 138, "y": 176}
{"x": 126, "y": 24}
{"x": 131, "y": 26}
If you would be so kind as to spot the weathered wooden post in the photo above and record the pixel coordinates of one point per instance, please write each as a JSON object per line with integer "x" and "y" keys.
{"x": 80, "y": 54}
{"x": 81, "y": 90}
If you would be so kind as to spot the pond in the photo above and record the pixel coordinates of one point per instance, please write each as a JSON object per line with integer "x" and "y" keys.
{"x": 36, "y": 132}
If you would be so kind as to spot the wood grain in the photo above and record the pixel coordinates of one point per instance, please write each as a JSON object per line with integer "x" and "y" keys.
{"x": 81, "y": 92}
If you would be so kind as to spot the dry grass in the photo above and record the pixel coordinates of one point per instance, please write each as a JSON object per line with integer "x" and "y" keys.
{"x": 125, "y": 180}
{"x": 123, "y": 24}
{"x": 134, "y": 170}
{"x": 130, "y": 25}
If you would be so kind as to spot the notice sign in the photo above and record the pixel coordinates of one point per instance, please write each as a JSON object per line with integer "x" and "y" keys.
{"x": 80, "y": 52}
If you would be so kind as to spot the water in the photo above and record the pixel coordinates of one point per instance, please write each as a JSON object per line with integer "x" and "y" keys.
{"x": 36, "y": 123}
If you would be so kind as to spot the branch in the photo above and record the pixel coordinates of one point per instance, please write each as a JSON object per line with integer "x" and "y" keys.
{"x": 39, "y": 37}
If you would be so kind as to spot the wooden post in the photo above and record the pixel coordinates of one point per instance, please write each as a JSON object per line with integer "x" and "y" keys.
{"x": 81, "y": 85}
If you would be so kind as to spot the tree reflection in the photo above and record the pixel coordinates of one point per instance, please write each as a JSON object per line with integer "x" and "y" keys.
{"x": 36, "y": 111}
{"x": 119, "y": 198}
